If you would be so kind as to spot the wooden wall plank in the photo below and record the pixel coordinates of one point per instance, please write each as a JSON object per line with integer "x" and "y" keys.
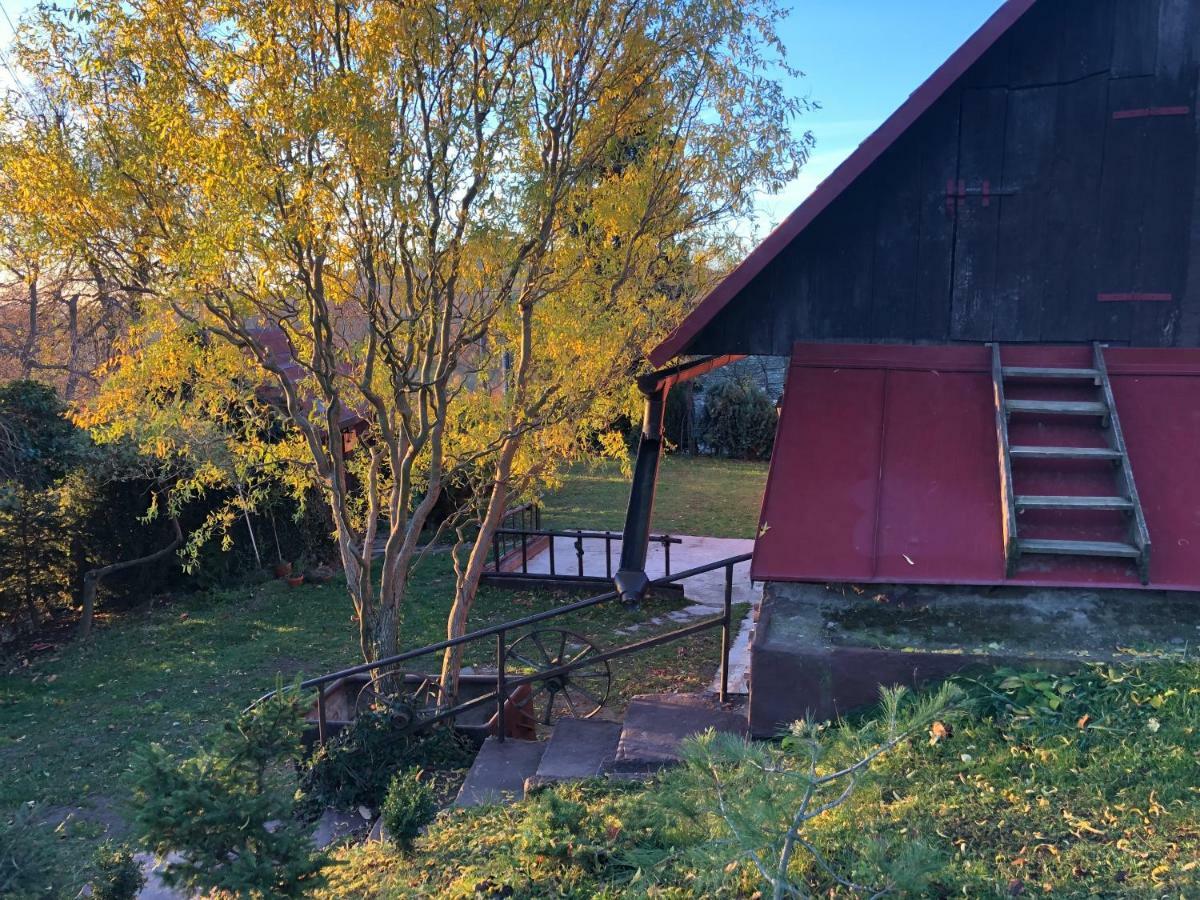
{"x": 897, "y": 241}
{"x": 1122, "y": 202}
{"x": 938, "y": 136}
{"x": 1086, "y": 43}
{"x": 1035, "y": 41}
{"x": 981, "y": 158}
{"x": 1073, "y": 213}
{"x": 1135, "y": 38}
{"x": 1162, "y": 268}
{"x": 1028, "y": 247}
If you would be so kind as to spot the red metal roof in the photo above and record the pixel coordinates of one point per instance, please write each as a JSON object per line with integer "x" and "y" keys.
{"x": 841, "y": 178}
{"x": 885, "y": 469}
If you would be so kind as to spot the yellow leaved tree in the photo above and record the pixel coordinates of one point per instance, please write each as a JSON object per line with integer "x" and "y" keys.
{"x": 455, "y": 223}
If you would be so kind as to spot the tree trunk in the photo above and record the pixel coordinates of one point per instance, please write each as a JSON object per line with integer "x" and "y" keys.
{"x": 468, "y": 582}
{"x": 92, "y": 579}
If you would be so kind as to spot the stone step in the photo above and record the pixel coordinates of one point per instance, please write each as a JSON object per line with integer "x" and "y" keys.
{"x": 578, "y": 749}
{"x": 656, "y": 724}
{"x": 500, "y": 771}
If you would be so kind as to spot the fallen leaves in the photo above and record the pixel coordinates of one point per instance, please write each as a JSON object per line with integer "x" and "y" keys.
{"x": 940, "y": 731}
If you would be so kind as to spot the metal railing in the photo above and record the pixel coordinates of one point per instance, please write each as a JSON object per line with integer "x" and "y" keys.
{"x": 526, "y": 517}
{"x": 519, "y": 539}
{"x": 505, "y": 685}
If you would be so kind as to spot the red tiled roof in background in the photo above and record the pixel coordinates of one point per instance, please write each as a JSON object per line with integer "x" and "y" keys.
{"x": 276, "y": 344}
{"x": 891, "y": 471}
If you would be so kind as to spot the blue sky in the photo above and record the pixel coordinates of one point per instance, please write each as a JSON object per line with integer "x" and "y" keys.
{"x": 861, "y": 58}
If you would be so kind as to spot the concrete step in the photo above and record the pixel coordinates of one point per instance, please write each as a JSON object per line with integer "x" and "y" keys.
{"x": 499, "y": 771}
{"x": 656, "y": 724}
{"x": 578, "y": 749}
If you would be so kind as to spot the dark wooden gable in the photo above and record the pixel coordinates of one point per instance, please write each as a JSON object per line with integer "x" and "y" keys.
{"x": 1047, "y": 196}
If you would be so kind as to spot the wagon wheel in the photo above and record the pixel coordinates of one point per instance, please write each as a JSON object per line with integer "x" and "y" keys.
{"x": 405, "y": 705}
{"x": 579, "y": 693}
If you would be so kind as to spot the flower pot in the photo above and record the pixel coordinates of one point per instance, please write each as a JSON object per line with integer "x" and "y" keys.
{"x": 295, "y": 580}
{"x": 320, "y": 575}
{"x": 283, "y": 569}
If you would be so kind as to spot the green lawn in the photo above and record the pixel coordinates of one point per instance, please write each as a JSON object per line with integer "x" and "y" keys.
{"x": 696, "y": 495}
{"x": 72, "y": 719}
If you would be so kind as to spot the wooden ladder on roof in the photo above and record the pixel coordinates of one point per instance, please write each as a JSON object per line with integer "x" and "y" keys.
{"x": 1136, "y": 547}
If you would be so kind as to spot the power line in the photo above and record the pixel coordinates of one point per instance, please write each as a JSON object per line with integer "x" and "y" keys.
{"x": 8, "y": 19}
{"x": 4, "y": 60}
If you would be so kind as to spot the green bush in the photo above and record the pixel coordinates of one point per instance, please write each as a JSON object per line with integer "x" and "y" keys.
{"x": 34, "y": 562}
{"x": 408, "y": 807}
{"x": 118, "y": 875}
{"x": 738, "y": 420}
{"x": 355, "y": 767}
{"x": 29, "y": 863}
{"x": 557, "y": 827}
{"x": 230, "y": 811}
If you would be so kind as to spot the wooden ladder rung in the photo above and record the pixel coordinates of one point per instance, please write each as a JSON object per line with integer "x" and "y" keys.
{"x": 1030, "y": 452}
{"x": 1038, "y": 373}
{"x": 1037, "y": 501}
{"x": 1079, "y": 548}
{"x": 1058, "y": 407}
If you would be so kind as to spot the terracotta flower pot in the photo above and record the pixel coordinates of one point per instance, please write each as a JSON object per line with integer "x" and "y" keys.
{"x": 295, "y": 580}
{"x": 320, "y": 575}
{"x": 283, "y": 569}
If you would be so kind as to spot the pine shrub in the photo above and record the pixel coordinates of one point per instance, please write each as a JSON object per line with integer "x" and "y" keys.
{"x": 29, "y": 859}
{"x": 409, "y": 806}
{"x": 118, "y": 875}
{"x": 229, "y": 812}
{"x": 355, "y": 767}
{"x": 738, "y": 420}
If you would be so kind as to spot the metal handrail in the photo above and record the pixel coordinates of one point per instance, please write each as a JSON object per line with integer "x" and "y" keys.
{"x": 503, "y": 683}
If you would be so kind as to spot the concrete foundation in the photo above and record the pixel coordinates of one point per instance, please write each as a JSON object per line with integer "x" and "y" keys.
{"x": 821, "y": 650}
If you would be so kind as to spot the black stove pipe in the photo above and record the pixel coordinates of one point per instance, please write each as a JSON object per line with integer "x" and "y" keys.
{"x": 631, "y": 581}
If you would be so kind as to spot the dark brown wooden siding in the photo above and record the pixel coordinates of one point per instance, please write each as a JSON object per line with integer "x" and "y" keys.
{"x": 1049, "y": 196}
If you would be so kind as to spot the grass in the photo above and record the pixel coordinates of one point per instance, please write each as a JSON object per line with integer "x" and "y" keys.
{"x": 73, "y": 719}
{"x": 696, "y": 495}
{"x": 1095, "y": 796}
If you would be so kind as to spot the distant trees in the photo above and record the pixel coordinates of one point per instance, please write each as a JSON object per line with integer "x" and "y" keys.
{"x": 465, "y": 219}
{"x": 66, "y": 508}
{"x": 738, "y": 420}
{"x": 39, "y": 448}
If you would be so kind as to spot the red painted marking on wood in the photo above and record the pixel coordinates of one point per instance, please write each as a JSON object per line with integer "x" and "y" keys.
{"x": 987, "y": 192}
{"x": 1134, "y": 297}
{"x": 1146, "y": 112}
